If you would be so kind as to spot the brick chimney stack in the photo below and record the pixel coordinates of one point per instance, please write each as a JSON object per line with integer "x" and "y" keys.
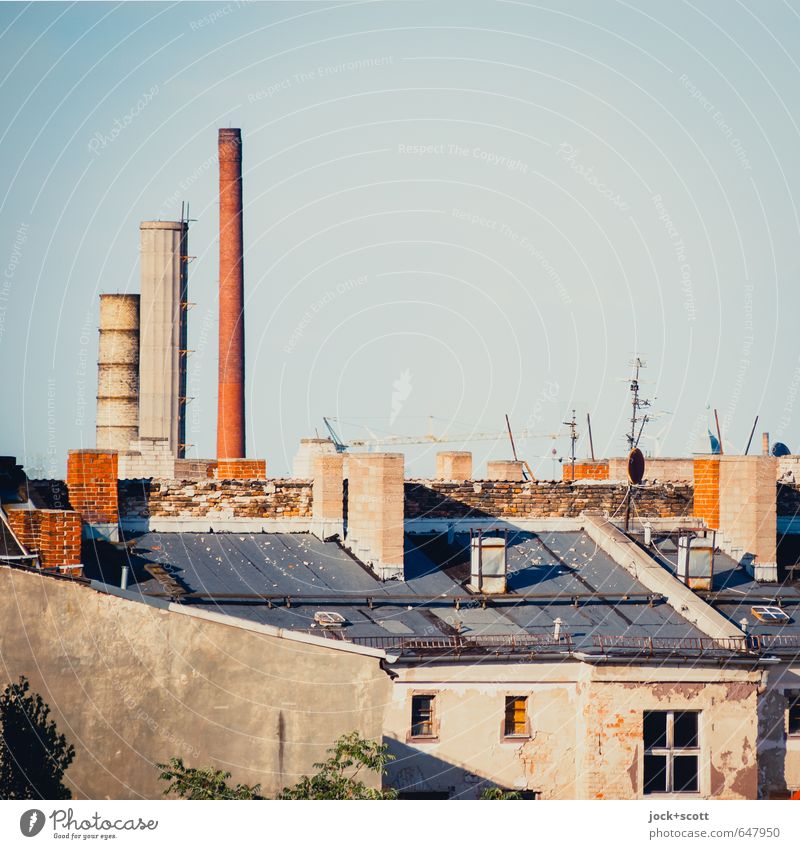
{"x": 230, "y": 410}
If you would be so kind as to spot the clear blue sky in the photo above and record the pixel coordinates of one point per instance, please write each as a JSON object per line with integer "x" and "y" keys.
{"x": 452, "y": 209}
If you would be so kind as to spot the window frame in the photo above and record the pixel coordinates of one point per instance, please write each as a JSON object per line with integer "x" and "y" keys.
{"x": 526, "y": 734}
{"x": 792, "y": 704}
{"x": 433, "y": 737}
{"x": 670, "y": 751}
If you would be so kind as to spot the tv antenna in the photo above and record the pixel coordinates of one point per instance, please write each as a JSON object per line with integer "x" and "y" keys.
{"x": 573, "y": 438}
{"x": 637, "y": 404}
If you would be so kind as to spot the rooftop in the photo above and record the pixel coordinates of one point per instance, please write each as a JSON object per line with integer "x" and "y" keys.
{"x": 284, "y": 579}
{"x": 734, "y": 593}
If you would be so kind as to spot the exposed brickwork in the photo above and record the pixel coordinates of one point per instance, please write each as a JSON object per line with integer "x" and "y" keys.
{"x": 611, "y": 723}
{"x": 586, "y": 470}
{"x": 540, "y": 499}
{"x": 25, "y": 524}
{"x": 194, "y": 470}
{"x": 92, "y": 482}
{"x": 706, "y": 490}
{"x": 237, "y": 470}
{"x": 655, "y": 469}
{"x": 147, "y": 458}
{"x": 55, "y": 535}
{"x": 263, "y": 499}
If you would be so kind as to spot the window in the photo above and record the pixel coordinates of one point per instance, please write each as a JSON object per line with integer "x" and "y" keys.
{"x": 516, "y": 717}
{"x": 671, "y": 751}
{"x": 423, "y": 722}
{"x": 793, "y": 712}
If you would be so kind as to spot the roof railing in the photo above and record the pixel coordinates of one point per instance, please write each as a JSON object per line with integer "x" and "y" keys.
{"x": 457, "y": 644}
{"x": 685, "y": 646}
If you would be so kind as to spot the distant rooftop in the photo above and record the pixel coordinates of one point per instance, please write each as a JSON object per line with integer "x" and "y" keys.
{"x": 735, "y": 593}
{"x": 555, "y": 575}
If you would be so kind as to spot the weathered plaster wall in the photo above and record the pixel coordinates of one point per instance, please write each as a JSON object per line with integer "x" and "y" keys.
{"x": 443, "y": 499}
{"x": 610, "y": 764}
{"x": 586, "y": 729}
{"x": 778, "y": 751}
{"x": 131, "y": 685}
{"x": 273, "y": 499}
{"x": 655, "y": 469}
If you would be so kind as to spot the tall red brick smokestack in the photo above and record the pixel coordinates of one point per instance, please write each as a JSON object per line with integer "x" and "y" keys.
{"x": 230, "y": 410}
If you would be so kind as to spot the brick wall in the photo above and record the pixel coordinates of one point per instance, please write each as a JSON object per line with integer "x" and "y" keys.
{"x": 616, "y": 469}
{"x": 540, "y": 499}
{"x": 263, "y": 499}
{"x": 655, "y": 469}
{"x": 706, "y": 490}
{"x": 147, "y": 458}
{"x": 236, "y": 470}
{"x": 55, "y": 535}
{"x": 586, "y": 470}
{"x": 92, "y": 484}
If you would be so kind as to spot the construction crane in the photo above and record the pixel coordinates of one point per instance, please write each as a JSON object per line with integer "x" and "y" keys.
{"x": 397, "y": 439}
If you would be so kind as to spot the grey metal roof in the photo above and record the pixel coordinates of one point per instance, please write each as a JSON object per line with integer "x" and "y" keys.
{"x": 560, "y": 565}
{"x": 735, "y": 593}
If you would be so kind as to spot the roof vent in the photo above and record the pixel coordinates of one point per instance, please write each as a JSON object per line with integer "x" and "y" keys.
{"x": 696, "y": 561}
{"x": 488, "y": 563}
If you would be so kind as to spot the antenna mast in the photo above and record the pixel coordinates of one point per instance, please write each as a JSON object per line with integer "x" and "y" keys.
{"x": 573, "y": 438}
{"x": 637, "y": 403}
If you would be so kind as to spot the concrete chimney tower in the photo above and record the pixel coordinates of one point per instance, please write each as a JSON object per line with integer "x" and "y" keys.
{"x": 230, "y": 409}
{"x": 163, "y": 257}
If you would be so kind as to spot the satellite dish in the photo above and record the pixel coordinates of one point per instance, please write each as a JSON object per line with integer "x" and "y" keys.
{"x": 635, "y": 466}
{"x": 779, "y": 449}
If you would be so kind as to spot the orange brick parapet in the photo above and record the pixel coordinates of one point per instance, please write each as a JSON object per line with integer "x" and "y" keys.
{"x": 92, "y": 484}
{"x": 241, "y": 470}
{"x": 591, "y": 471}
{"x": 54, "y": 535}
{"x": 706, "y": 490}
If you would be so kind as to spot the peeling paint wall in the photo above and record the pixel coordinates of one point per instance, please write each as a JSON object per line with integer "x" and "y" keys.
{"x": 612, "y": 760}
{"x": 778, "y": 751}
{"x": 586, "y": 729}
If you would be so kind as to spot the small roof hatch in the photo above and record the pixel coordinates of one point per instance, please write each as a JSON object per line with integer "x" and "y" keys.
{"x": 771, "y": 614}
{"x": 328, "y": 619}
